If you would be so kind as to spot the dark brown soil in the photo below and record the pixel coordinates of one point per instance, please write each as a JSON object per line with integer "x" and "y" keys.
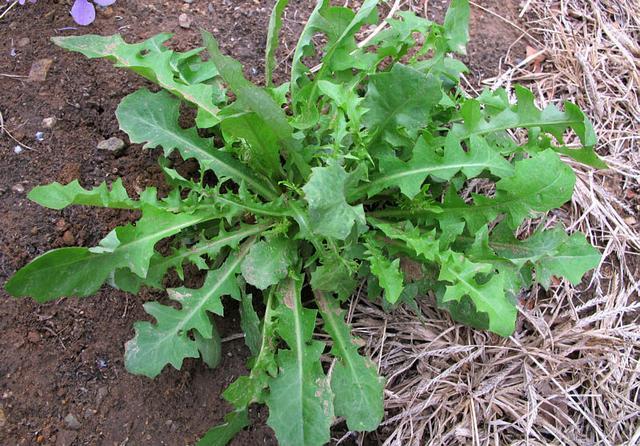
{"x": 66, "y": 357}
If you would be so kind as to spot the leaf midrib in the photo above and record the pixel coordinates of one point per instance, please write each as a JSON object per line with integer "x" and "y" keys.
{"x": 163, "y": 128}
{"x": 204, "y": 300}
{"x": 428, "y": 170}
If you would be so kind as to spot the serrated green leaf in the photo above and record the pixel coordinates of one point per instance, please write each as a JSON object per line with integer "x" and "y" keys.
{"x": 584, "y": 155}
{"x": 551, "y": 252}
{"x": 330, "y": 214}
{"x": 386, "y": 271}
{"x": 410, "y": 176}
{"x": 249, "y": 95}
{"x": 523, "y": 114}
{"x": 456, "y": 25}
{"x": 58, "y": 196}
{"x": 516, "y": 274}
{"x": 155, "y": 62}
{"x": 268, "y": 262}
{"x": 168, "y": 342}
{"x": 222, "y": 434}
{"x": 273, "y": 32}
{"x": 539, "y": 184}
{"x": 300, "y": 398}
{"x": 262, "y": 141}
{"x": 393, "y": 101}
{"x": 339, "y": 25}
{"x": 250, "y": 324}
{"x": 487, "y": 297}
{"x": 423, "y": 244}
{"x": 152, "y": 119}
{"x": 333, "y": 276}
{"x": 81, "y": 271}
{"x": 346, "y": 98}
{"x": 355, "y": 382}
{"x": 159, "y": 265}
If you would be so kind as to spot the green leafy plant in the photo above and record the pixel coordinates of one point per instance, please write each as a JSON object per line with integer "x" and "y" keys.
{"x": 357, "y": 171}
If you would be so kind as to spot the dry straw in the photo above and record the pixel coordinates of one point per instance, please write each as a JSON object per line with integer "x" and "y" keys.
{"x": 570, "y": 373}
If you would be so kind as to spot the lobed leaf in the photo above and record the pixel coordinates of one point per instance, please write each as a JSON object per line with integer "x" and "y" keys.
{"x": 539, "y": 184}
{"x": 355, "y": 382}
{"x": 152, "y": 60}
{"x": 81, "y": 271}
{"x": 401, "y": 98}
{"x": 58, "y": 196}
{"x": 268, "y": 262}
{"x": 330, "y": 214}
{"x": 388, "y": 272}
{"x": 487, "y": 296}
{"x": 409, "y": 176}
{"x": 168, "y": 342}
{"x": 152, "y": 119}
{"x": 159, "y": 265}
{"x": 300, "y": 398}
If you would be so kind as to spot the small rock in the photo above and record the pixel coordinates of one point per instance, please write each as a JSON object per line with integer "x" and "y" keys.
{"x": 108, "y": 12}
{"x": 184, "y": 21}
{"x": 40, "y": 439}
{"x": 33, "y": 337}
{"x": 49, "y": 123}
{"x": 72, "y": 422}
{"x": 39, "y": 136}
{"x": 18, "y": 188}
{"x": 39, "y": 70}
{"x": 68, "y": 238}
{"x": 188, "y": 1}
{"x": 61, "y": 225}
{"x": 23, "y": 42}
{"x": 630, "y": 220}
{"x": 18, "y": 149}
{"x": 113, "y": 145}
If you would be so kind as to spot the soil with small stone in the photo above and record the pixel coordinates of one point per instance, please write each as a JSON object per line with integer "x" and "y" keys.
{"x": 62, "y": 378}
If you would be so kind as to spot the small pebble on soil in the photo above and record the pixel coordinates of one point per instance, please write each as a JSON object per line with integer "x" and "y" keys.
{"x": 18, "y": 188}
{"x": 49, "y": 123}
{"x": 72, "y": 422}
{"x": 113, "y": 145}
{"x": 184, "y": 21}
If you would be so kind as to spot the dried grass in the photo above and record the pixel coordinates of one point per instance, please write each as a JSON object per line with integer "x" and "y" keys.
{"x": 571, "y": 372}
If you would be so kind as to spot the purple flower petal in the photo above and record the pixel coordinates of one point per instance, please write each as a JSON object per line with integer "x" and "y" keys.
{"x": 83, "y": 12}
{"x": 104, "y": 2}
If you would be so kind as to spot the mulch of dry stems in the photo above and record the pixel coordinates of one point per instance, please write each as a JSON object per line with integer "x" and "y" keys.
{"x": 570, "y": 373}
